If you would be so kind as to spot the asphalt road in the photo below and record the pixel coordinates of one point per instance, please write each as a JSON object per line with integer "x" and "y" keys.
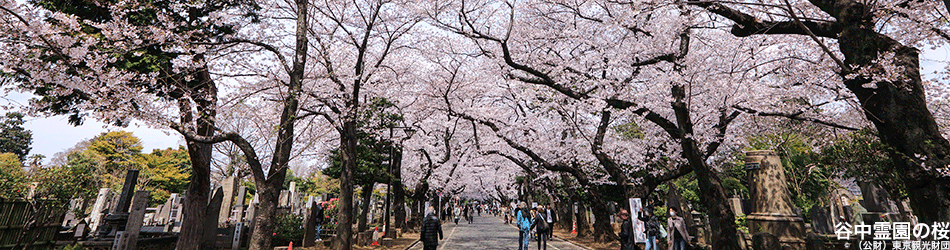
{"x": 488, "y": 232}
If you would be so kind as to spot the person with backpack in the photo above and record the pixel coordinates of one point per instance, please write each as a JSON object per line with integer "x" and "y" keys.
{"x": 542, "y": 226}
{"x": 524, "y": 225}
{"x": 431, "y": 229}
{"x": 651, "y": 228}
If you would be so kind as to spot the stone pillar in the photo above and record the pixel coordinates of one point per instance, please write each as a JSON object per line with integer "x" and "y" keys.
{"x": 310, "y": 227}
{"x": 211, "y": 220}
{"x": 772, "y": 207}
{"x": 230, "y": 186}
{"x": 98, "y": 209}
{"x": 117, "y": 219}
{"x": 129, "y": 238}
{"x": 239, "y": 205}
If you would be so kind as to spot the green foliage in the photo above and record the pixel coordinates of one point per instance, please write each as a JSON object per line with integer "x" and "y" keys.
{"x": 862, "y": 155}
{"x": 110, "y": 155}
{"x": 168, "y": 171}
{"x": 289, "y": 227}
{"x": 13, "y": 137}
{"x": 76, "y": 246}
{"x": 13, "y": 180}
{"x": 65, "y": 182}
{"x": 629, "y": 130}
{"x": 372, "y": 152}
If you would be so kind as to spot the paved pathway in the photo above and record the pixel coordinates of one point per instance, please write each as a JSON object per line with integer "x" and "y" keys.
{"x": 488, "y": 232}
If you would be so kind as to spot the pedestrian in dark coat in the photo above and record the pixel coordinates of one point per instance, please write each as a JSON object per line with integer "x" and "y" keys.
{"x": 319, "y": 219}
{"x": 551, "y": 216}
{"x": 431, "y": 230}
{"x": 627, "y": 240}
{"x": 542, "y": 226}
{"x": 651, "y": 229}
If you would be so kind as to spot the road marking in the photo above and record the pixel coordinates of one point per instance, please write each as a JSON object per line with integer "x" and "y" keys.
{"x": 448, "y": 238}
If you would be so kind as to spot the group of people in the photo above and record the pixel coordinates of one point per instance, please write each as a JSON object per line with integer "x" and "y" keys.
{"x": 676, "y": 233}
{"x": 466, "y": 212}
{"x": 540, "y": 219}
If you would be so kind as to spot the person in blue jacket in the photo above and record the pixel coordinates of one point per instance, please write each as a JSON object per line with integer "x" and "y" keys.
{"x": 524, "y": 222}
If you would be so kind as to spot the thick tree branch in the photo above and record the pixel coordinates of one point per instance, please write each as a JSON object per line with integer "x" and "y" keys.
{"x": 747, "y": 25}
{"x": 793, "y": 116}
{"x": 251, "y": 156}
{"x": 721, "y": 127}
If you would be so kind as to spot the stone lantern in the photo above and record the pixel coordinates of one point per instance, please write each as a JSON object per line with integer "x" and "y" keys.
{"x": 772, "y": 207}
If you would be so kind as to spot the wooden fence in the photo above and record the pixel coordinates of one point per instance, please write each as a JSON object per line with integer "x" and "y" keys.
{"x": 15, "y": 214}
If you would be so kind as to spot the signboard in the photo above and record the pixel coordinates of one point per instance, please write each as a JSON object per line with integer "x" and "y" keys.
{"x": 638, "y": 225}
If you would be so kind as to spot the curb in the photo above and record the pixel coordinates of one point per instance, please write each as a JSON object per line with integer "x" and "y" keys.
{"x": 572, "y": 243}
{"x": 412, "y": 245}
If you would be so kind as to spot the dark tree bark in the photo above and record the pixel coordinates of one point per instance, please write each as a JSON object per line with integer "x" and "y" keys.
{"x": 199, "y": 186}
{"x": 364, "y": 207}
{"x": 721, "y": 217}
{"x": 345, "y": 216}
{"x": 399, "y": 193}
{"x": 583, "y": 222}
{"x": 897, "y": 107}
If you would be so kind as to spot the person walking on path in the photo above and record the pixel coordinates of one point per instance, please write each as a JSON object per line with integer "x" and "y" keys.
{"x": 431, "y": 228}
{"x": 524, "y": 225}
{"x": 319, "y": 218}
{"x": 457, "y": 212}
{"x": 627, "y": 238}
{"x": 651, "y": 228}
{"x": 677, "y": 234}
{"x": 551, "y": 219}
{"x": 542, "y": 226}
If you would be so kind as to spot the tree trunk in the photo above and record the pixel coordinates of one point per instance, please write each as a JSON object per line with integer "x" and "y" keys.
{"x": 365, "y": 196}
{"x": 199, "y": 186}
{"x": 399, "y": 193}
{"x": 269, "y": 185}
{"x": 262, "y": 235}
{"x": 724, "y": 233}
{"x": 345, "y": 216}
{"x": 898, "y": 109}
{"x": 564, "y": 209}
{"x": 603, "y": 230}
{"x": 583, "y": 224}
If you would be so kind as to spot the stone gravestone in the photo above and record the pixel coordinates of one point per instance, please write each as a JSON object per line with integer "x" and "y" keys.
{"x": 820, "y": 220}
{"x": 772, "y": 207}
{"x": 70, "y": 219}
{"x": 229, "y": 185}
{"x": 284, "y": 199}
{"x": 99, "y": 209}
{"x": 211, "y": 219}
{"x": 127, "y": 239}
{"x": 238, "y": 212}
{"x": 765, "y": 241}
{"x": 252, "y": 215}
{"x": 878, "y": 203}
{"x": 310, "y": 227}
{"x": 736, "y": 204}
{"x": 117, "y": 219}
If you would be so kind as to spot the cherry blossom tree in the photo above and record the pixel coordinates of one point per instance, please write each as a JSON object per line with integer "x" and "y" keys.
{"x": 877, "y": 60}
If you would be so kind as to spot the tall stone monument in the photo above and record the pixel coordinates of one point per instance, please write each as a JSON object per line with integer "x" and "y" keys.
{"x": 772, "y": 207}
{"x": 117, "y": 219}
